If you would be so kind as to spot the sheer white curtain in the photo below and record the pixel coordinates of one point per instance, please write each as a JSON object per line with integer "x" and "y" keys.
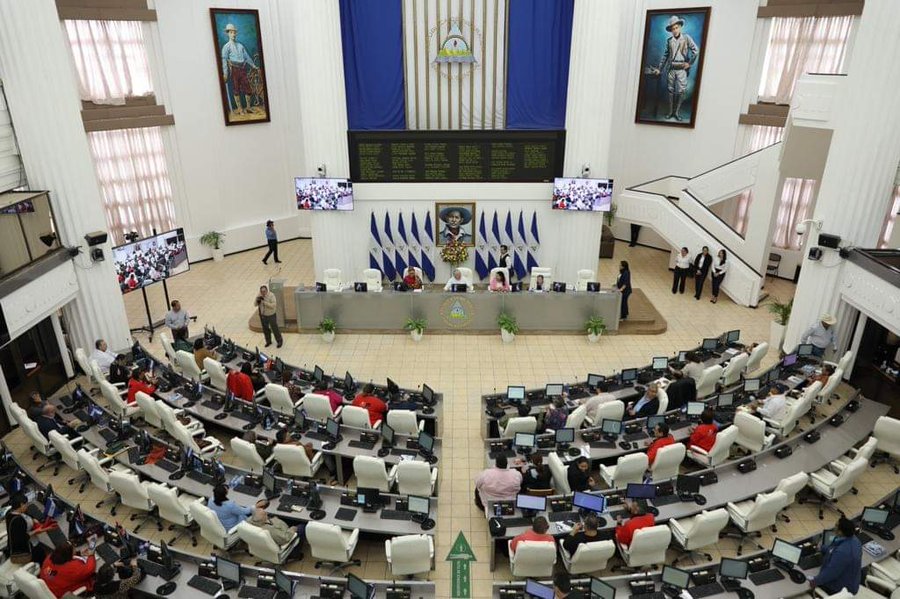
{"x": 799, "y": 45}
{"x": 134, "y": 180}
{"x": 890, "y": 221}
{"x": 110, "y": 59}
{"x": 796, "y": 205}
{"x": 759, "y": 138}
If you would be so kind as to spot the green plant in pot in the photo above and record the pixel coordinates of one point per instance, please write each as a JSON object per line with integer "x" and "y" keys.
{"x": 214, "y": 240}
{"x": 508, "y": 327}
{"x": 327, "y": 327}
{"x": 416, "y": 327}
{"x": 594, "y": 327}
{"x": 782, "y": 312}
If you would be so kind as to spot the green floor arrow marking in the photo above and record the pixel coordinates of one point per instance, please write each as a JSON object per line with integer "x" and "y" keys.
{"x": 461, "y": 554}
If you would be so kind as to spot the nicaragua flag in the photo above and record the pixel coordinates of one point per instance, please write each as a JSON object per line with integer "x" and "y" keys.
{"x": 391, "y": 248}
{"x": 481, "y": 251}
{"x": 534, "y": 242}
{"x": 387, "y": 250}
{"x": 427, "y": 263}
{"x": 402, "y": 248}
{"x": 412, "y": 245}
{"x": 496, "y": 241}
{"x": 521, "y": 248}
{"x": 375, "y": 251}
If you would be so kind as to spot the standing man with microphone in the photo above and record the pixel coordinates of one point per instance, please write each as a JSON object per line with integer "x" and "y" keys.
{"x": 272, "y": 241}
{"x": 266, "y": 304}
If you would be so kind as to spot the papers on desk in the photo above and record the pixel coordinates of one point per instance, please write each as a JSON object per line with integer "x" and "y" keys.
{"x": 564, "y": 527}
{"x": 795, "y": 380}
{"x": 407, "y": 458}
{"x": 30, "y": 365}
{"x": 874, "y": 548}
{"x": 732, "y": 351}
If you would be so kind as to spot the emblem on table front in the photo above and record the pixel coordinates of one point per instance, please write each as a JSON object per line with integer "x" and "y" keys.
{"x": 457, "y": 312}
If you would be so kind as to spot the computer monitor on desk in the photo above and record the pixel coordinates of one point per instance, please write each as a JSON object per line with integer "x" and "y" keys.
{"x": 875, "y": 517}
{"x": 359, "y": 588}
{"x": 653, "y": 421}
{"x": 459, "y": 288}
{"x": 640, "y": 491}
{"x": 590, "y": 502}
{"x": 611, "y": 428}
{"x": 387, "y": 435}
{"x": 553, "y": 390}
{"x": 536, "y": 590}
{"x": 694, "y": 409}
{"x": 529, "y": 504}
{"x": 804, "y": 350}
{"x": 427, "y": 394}
{"x": 333, "y": 429}
{"x": 229, "y": 572}
{"x": 349, "y": 383}
{"x": 426, "y": 443}
{"x": 725, "y": 400}
{"x": 710, "y": 344}
{"x": 733, "y": 569}
{"x": 515, "y": 393}
{"x": 629, "y": 375}
{"x": 284, "y": 584}
{"x": 675, "y": 577}
{"x": 785, "y": 552}
{"x": 660, "y": 363}
{"x": 368, "y": 498}
{"x": 524, "y": 441}
{"x": 733, "y": 336}
{"x": 565, "y": 436}
{"x": 318, "y": 374}
{"x": 789, "y": 360}
{"x": 269, "y": 482}
{"x": 602, "y": 590}
{"x": 751, "y": 385}
{"x": 594, "y": 380}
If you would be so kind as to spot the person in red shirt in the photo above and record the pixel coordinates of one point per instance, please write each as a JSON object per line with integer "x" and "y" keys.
{"x": 639, "y": 519}
{"x": 139, "y": 381}
{"x": 335, "y": 399}
{"x": 240, "y": 383}
{"x": 64, "y": 571}
{"x": 538, "y": 532}
{"x": 661, "y": 438}
{"x": 376, "y": 408}
{"x": 704, "y": 436}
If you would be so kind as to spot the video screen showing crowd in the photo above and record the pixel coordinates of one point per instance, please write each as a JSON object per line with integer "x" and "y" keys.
{"x": 323, "y": 194}
{"x": 593, "y": 195}
{"x": 150, "y": 260}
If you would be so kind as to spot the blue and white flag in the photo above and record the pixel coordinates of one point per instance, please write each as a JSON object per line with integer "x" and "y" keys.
{"x": 375, "y": 249}
{"x": 428, "y": 249}
{"x": 388, "y": 249}
{"x": 520, "y": 252}
{"x": 481, "y": 251}
{"x": 413, "y": 248}
{"x": 534, "y": 242}
{"x": 496, "y": 239}
{"x": 402, "y": 248}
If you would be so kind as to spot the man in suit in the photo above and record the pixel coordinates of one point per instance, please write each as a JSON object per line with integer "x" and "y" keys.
{"x": 702, "y": 264}
{"x": 681, "y": 390}
{"x": 647, "y": 405}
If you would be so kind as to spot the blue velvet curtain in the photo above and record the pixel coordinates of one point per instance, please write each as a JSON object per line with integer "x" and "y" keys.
{"x": 537, "y": 76}
{"x": 372, "y": 40}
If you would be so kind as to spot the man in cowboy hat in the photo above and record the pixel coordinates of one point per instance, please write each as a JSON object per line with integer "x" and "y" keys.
{"x": 680, "y": 54}
{"x": 235, "y": 62}
{"x": 455, "y": 219}
{"x": 821, "y": 335}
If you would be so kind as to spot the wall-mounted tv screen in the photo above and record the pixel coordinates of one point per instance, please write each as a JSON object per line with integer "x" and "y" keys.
{"x": 323, "y": 194}
{"x": 594, "y": 195}
{"x": 18, "y": 208}
{"x": 150, "y": 260}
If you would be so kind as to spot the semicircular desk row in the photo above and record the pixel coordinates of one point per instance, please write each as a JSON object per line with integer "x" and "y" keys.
{"x": 188, "y": 563}
{"x": 208, "y": 407}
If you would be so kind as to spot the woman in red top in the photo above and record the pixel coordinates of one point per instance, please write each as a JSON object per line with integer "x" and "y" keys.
{"x": 240, "y": 383}
{"x": 376, "y": 408}
{"x": 704, "y": 436}
{"x": 639, "y": 519}
{"x": 661, "y": 439}
{"x": 139, "y": 381}
{"x": 411, "y": 279}
{"x": 64, "y": 572}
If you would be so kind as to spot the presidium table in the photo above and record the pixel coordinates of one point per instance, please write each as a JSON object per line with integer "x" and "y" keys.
{"x": 387, "y": 310}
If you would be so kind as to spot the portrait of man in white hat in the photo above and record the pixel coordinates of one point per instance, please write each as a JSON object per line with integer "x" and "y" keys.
{"x": 241, "y": 69}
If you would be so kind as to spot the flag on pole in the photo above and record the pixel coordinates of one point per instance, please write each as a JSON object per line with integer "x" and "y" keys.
{"x": 388, "y": 249}
{"x": 374, "y": 245}
{"x": 427, "y": 255}
{"x": 534, "y": 242}
{"x": 520, "y": 256}
{"x": 481, "y": 251}
{"x": 397, "y": 260}
{"x": 415, "y": 246}
{"x": 402, "y": 248}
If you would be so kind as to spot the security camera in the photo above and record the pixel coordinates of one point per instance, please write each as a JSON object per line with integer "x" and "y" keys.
{"x": 321, "y": 170}
{"x": 801, "y": 228}
{"x": 585, "y": 170}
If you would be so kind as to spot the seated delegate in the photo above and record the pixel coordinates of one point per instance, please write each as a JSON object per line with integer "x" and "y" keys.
{"x": 108, "y": 587}
{"x": 639, "y": 519}
{"x": 536, "y": 476}
{"x": 661, "y": 438}
{"x": 585, "y": 531}
{"x": 704, "y": 435}
{"x": 373, "y": 405}
{"x": 239, "y": 382}
{"x": 140, "y": 381}
{"x": 579, "y": 475}
{"x": 647, "y": 405}
{"x": 21, "y": 544}
{"x": 66, "y": 570}
{"x": 411, "y": 279}
{"x": 497, "y": 483}
{"x": 201, "y": 352}
{"x": 457, "y": 279}
{"x": 681, "y": 390}
{"x": 229, "y": 513}
{"x": 772, "y": 406}
{"x": 498, "y": 283}
{"x": 537, "y": 533}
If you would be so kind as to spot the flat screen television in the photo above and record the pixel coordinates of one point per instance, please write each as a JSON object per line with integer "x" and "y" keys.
{"x": 319, "y": 193}
{"x": 593, "y": 195}
{"x": 150, "y": 260}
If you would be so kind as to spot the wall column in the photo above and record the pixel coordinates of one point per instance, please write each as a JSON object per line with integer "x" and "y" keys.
{"x": 859, "y": 173}
{"x": 45, "y": 106}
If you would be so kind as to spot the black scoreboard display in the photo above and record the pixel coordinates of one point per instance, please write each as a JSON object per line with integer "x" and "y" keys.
{"x": 456, "y": 156}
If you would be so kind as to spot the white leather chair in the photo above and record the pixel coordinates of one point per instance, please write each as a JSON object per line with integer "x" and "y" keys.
{"x": 35, "y": 588}
{"x": 887, "y": 570}
{"x": 753, "y": 515}
{"x": 169, "y": 348}
{"x": 99, "y": 377}
{"x": 607, "y": 410}
{"x": 410, "y": 554}
{"x": 736, "y": 366}
{"x": 189, "y": 367}
{"x": 83, "y": 361}
{"x": 116, "y": 404}
{"x": 708, "y": 379}
{"x": 502, "y": 269}
{"x": 718, "y": 453}
{"x": 532, "y": 559}
{"x": 629, "y": 468}
{"x": 865, "y": 451}
{"x": 414, "y": 477}
{"x": 830, "y": 487}
{"x": 331, "y": 545}
{"x": 40, "y": 443}
{"x": 149, "y": 410}
{"x": 262, "y": 546}
{"x": 517, "y": 424}
{"x": 372, "y": 278}
{"x": 404, "y": 422}
{"x": 211, "y": 527}
{"x": 559, "y": 473}
{"x": 827, "y": 394}
{"x": 696, "y": 532}
{"x": 844, "y": 363}
{"x": 756, "y": 357}
{"x": 318, "y": 407}
{"x": 371, "y": 473}
{"x": 467, "y": 275}
{"x": 548, "y": 278}
{"x": 662, "y": 399}
{"x": 357, "y": 418}
{"x": 218, "y": 378}
{"x": 667, "y": 462}
{"x": 792, "y": 414}
{"x": 887, "y": 431}
{"x": 332, "y": 279}
{"x": 585, "y": 276}
{"x": 68, "y": 453}
{"x": 8, "y": 586}
{"x": 174, "y": 509}
{"x": 198, "y": 441}
{"x": 247, "y": 455}
{"x": 790, "y": 486}
{"x": 293, "y": 460}
{"x": 133, "y": 493}
{"x": 169, "y": 417}
{"x": 648, "y": 547}
{"x": 280, "y": 399}
{"x": 588, "y": 557}
{"x": 574, "y": 420}
{"x": 751, "y": 432}
{"x": 98, "y": 474}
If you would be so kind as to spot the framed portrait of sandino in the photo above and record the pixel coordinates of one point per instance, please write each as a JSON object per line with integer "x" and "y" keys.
{"x": 455, "y": 222}
{"x": 240, "y": 65}
{"x": 672, "y": 66}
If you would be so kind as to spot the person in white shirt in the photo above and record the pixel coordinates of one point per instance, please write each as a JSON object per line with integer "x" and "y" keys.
{"x": 720, "y": 267}
{"x": 682, "y": 270}
{"x": 177, "y": 321}
{"x": 821, "y": 335}
{"x": 772, "y": 407}
{"x": 497, "y": 483}
{"x": 457, "y": 279}
{"x": 102, "y": 355}
{"x": 693, "y": 367}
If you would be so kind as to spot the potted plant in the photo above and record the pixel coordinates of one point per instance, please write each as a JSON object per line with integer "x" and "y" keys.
{"x": 326, "y": 327}
{"x": 214, "y": 241}
{"x": 595, "y": 327}
{"x": 416, "y": 328}
{"x": 610, "y": 215}
{"x": 782, "y": 313}
{"x": 508, "y": 327}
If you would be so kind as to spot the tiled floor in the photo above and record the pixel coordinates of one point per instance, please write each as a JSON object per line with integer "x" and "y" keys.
{"x": 465, "y": 367}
